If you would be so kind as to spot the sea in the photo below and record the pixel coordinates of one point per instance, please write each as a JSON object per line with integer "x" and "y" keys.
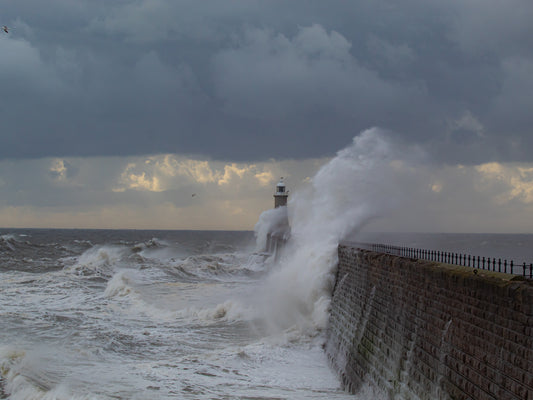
{"x": 136, "y": 314}
{"x": 142, "y": 314}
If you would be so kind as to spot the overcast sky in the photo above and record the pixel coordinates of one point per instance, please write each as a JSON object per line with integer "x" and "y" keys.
{"x": 113, "y": 113}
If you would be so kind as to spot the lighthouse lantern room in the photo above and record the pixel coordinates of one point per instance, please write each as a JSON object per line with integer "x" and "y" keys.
{"x": 281, "y": 195}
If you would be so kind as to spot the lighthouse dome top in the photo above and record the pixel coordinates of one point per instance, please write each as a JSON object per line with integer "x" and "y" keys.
{"x": 280, "y": 187}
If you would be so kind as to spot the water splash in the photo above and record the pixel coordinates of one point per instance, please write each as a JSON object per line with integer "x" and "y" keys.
{"x": 364, "y": 181}
{"x": 272, "y": 221}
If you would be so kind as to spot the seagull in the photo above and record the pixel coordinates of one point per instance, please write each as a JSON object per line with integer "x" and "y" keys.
{"x": 5, "y": 28}
{"x": 194, "y": 194}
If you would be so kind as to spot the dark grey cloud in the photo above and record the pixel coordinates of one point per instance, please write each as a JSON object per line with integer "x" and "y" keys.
{"x": 248, "y": 80}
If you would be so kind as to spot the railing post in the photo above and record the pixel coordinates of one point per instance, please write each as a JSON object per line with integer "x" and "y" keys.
{"x": 499, "y": 265}
{"x": 483, "y": 262}
{"x": 511, "y": 266}
{"x": 524, "y": 272}
{"x": 505, "y": 266}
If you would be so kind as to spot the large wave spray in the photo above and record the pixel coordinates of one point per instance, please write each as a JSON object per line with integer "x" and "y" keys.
{"x": 364, "y": 181}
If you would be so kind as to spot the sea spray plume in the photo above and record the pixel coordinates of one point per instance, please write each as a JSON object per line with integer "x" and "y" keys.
{"x": 270, "y": 221}
{"x": 364, "y": 181}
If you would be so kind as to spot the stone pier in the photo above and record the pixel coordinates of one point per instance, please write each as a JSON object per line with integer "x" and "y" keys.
{"x": 425, "y": 330}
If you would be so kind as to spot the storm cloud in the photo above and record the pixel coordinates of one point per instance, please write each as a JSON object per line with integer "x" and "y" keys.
{"x": 251, "y": 80}
{"x": 113, "y": 114}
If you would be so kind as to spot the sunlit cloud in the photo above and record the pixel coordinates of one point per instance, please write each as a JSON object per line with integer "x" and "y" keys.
{"x": 265, "y": 178}
{"x": 515, "y": 182}
{"x": 167, "y": 172}
{"x": 58, "y": 170}
{"x": 196, "y": 170}
{"x": 63, "y": 171}
{"x": 232, "y": 171}
{"x": 130, "y": 179}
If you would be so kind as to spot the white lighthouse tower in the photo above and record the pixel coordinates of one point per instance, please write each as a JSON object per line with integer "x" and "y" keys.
{"x": 281, "y": 195}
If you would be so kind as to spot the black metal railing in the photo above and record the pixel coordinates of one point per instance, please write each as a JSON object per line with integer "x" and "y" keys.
{"x": 466, "y": 260}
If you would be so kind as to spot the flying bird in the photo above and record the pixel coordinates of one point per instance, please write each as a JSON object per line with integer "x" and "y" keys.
{"x": 6, "y": 29}
{"x": 194, "y": 194}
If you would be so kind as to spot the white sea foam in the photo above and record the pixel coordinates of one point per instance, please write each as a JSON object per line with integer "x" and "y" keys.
{"x": 25, "y": 376}
{"x": 346, "y": 193}
{"x": 99, "y": 261}
{"x": 119, "y": 285}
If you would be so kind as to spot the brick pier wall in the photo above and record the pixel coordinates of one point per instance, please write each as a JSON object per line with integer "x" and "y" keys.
{"x": 423, "y": 330}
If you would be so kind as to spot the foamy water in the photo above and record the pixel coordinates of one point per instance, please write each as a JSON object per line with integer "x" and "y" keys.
{"x": 121, "y": 314}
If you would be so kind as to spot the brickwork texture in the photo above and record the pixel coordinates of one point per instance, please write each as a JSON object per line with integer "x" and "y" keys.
{"x": 424, "y": 330}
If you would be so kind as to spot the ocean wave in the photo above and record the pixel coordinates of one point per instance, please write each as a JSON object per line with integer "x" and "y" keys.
{"x": 8, "y": 242}
{"x": 119, "y": 285}
{"x": 123, "y": 288}
{"x": 99, "y": 261}
{"x": 216, "y": 266}
{"x": 229, "y": 311}
{"x": 153, "y": 243}
{"x": 13, "y": 242}
{"x": 22, "y": 377}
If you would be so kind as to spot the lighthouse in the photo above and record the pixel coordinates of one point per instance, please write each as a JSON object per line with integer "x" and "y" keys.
{"x": 280, "y": 197}
{"x": 278, "y": 226}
